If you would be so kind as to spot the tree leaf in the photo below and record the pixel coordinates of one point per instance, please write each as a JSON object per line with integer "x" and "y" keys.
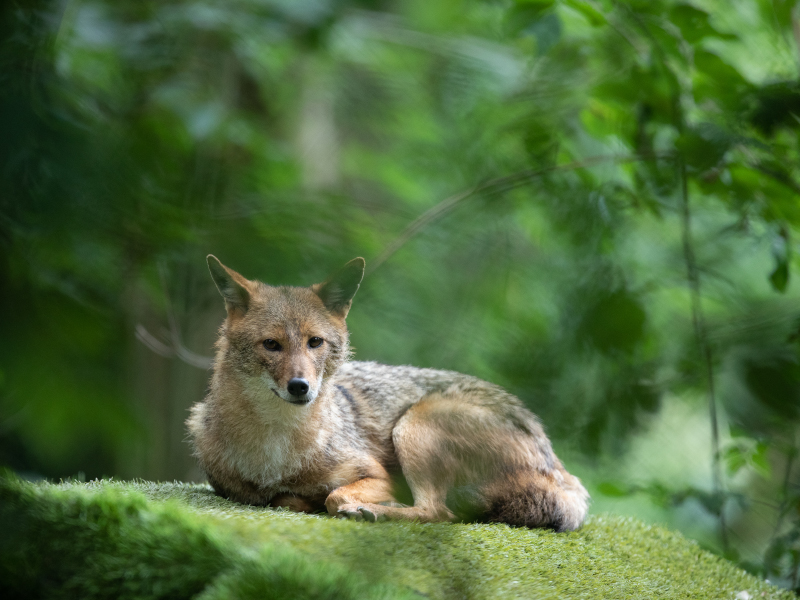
{"x": 781, "y": 251}
{"x": 734, "y": 459}
{"x": 694, "y": 24}
{"x": 760, "y": 461}
{"x": 615, "y": 490}
{"x": 587, "y": 9}
{"x": 703, "y": 146}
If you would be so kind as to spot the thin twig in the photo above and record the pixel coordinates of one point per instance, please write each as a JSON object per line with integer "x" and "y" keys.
{"x": 701, "y": 336}
{"x": 796, "y": 28}
{"x": 152, "y": 342}
{"x": 693, "y": 275}
{"x": 500, "y": 184}
{"x": 785, "y": 506}
{"x": 175, "y": 348}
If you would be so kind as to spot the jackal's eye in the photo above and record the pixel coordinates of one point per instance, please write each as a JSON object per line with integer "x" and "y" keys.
{"x": 315, "y": 342}
{"x": 271, "y": 345}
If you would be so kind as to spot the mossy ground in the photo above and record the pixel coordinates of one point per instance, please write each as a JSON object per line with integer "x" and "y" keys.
{"x": 112, "y": 539}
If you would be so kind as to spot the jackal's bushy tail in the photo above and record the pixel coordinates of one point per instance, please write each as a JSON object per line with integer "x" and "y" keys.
{"x": 554, "y": 500}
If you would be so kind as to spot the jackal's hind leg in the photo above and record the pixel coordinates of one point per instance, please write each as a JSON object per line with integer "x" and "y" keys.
{"x": 461, "y": 441}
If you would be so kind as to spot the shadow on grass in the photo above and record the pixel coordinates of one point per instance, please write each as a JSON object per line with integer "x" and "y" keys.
{"x": 109, "y": 544}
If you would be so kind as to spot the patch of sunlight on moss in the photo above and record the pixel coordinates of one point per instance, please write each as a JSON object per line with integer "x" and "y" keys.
{"x": 253, "y": 550}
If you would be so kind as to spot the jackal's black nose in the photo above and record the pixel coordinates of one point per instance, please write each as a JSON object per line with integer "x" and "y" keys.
{"x": 297, "y": 386}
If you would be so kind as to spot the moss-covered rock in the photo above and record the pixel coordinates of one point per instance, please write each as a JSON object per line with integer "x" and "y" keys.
{"x": 112, "y": 539}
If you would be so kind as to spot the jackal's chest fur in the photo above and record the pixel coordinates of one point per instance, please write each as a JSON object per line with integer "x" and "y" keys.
{"x": 270, "y": 458}
{"x": 274, "y": 456}
{"x": 254, "y": 448}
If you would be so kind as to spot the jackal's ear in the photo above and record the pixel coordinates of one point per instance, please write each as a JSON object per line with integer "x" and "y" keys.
{"x": 338, "y": 291}
{"x": 232, "y": 286}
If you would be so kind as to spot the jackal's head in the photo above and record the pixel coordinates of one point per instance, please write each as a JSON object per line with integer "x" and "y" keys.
{"x": 286, "y": 341}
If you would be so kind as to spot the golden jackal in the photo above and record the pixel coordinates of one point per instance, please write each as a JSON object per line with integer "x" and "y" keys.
{"x": 290, "y": 421}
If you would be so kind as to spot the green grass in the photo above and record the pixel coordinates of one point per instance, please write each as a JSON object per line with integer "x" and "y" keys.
{"x": 113, "y": 539}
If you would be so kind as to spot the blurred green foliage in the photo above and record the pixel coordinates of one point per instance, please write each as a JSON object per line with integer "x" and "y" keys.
{"x": 607, "y": 194}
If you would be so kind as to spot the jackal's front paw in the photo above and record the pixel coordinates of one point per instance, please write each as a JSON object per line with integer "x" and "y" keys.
{"x": 361, "y": 512}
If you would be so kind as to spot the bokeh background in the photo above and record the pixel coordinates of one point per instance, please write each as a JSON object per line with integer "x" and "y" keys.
{"x": 593, "y": 203}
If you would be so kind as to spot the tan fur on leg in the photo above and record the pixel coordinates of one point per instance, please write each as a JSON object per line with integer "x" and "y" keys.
{"x": 368, "y": 490}
{"x": 377, "y": 512}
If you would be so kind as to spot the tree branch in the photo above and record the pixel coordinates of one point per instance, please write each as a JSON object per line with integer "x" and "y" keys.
{"x": 500, "y": 184}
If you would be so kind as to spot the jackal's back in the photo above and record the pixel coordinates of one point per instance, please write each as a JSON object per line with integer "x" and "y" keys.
{"x": 376, "y": 396}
